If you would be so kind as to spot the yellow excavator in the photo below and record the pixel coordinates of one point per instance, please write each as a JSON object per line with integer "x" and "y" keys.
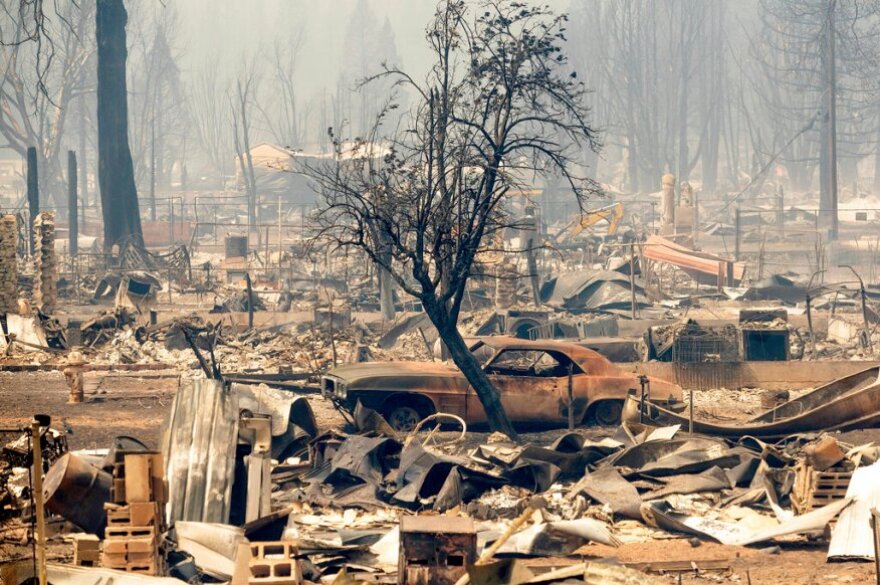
{"x": 613, "y": 214}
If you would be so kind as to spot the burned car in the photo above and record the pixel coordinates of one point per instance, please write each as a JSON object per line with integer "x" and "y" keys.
{"x": 532, "y": 378}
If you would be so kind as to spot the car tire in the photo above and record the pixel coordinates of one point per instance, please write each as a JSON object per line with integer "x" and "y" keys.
{"x": 605, "y": 413}
{"x": 403, "y": 417}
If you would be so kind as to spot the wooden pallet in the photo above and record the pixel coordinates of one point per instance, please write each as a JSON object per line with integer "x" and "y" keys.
{"x": 813, "y": 489}
{"x": 829, "y": 486}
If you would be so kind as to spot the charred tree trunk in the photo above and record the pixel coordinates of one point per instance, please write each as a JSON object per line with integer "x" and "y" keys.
{"x": 119, "y": 199}
{"x": 467, "y": 363}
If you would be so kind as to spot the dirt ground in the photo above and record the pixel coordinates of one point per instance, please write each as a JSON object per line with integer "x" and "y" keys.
{"x": 136, "y": 405}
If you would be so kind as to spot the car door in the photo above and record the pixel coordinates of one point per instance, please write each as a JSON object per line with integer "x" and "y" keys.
{"x": 531, "y": 384}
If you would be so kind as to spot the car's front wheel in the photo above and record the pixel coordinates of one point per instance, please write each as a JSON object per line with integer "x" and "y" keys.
{"x": 402, "y": 418}
{"x": 605, "y": 413}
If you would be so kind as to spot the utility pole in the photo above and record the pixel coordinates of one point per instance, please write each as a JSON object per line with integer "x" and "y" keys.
{"x": 72, "y": 214}
{"x": 632, "y": 281}
{"x": 33, "y": 194}
{"x": 280, "y": 247}
{"x": 780, "y": 208}
{"x": 39, "y": 512}
{"x": 83, "y": 158}
{"x": 153, "y": 169}
{"x": 738, "y": 228}
{"x": 828, "y": 157}
{"x": 832, "y": 121}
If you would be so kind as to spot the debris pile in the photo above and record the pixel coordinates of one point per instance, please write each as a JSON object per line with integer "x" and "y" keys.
{"x": 16, "y": 461}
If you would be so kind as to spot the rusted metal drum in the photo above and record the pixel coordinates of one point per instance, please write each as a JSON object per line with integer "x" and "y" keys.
{"x": 77, "y": 491}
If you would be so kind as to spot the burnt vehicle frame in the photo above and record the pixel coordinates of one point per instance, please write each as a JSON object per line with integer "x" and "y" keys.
{"x": 532, "y": 377}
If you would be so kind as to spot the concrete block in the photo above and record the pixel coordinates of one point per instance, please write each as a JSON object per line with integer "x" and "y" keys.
{"x": 144, "y": 478}
{"x": 274, "y": 563}
{"x": 123, "y": 532}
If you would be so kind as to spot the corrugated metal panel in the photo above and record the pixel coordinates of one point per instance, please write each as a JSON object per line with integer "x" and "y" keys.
{"x": 659, "y": 249}
{"x": 199, "y": 448}
{"x": 852, "y": 537}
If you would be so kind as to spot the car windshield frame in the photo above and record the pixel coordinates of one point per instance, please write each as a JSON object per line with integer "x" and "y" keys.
{"x": 564, "y": 363}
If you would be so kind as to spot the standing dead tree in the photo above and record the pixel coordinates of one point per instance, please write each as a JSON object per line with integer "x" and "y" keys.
{"x": 158, "y": 115}
{"x": 39, "y": 81}
{"x": 240, "y": 104}
{"x": 284, "y": 118}
{"x": 818, "y": 60}
{"x": 209, "y": 117}
{"x": 499, "y": 103}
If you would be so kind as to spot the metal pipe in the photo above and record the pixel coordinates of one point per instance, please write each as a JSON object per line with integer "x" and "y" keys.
{"x": 38, "y": 500}
{"x": 691, "y": 413}
{"x": 570, "y": 396}
{"x": 632, "y": 279}
{"x": 280, "y": 248}
{"x": 875, "y": 529}
{"x": 867, "y": 341}
{"x": 810, "y": 327}
{"x": 810, "y": 313}
{"x": 643, "y": 382}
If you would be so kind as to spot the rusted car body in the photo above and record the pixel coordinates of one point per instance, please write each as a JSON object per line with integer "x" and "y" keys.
{"x": 532, "y": 378}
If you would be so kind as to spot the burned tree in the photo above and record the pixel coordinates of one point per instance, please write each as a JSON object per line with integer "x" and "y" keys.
{"x": 499, "y": 103}
{"x": 44, "y": 72}
{"x": 119, "y": 200}
{"x": 817, "y": 81}
{"x": 240, "y": 105}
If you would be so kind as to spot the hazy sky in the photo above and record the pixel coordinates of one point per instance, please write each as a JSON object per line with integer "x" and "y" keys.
{"x": 229, "y": 29}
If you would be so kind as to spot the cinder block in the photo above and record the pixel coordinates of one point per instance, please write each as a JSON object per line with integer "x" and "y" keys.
{"x": 145, "y": 478}
{"x": 140, "y": 545}
{"x": 160, "y": 490}
{"x": 113, "y": 546}
{"x": 134, "y": 514}
{"x": 86, "y": 542}
{"x": 138, "y": 482}
{"x": 151, "y": 568}
{"x": 145, "y": 513}
{"x": 274, "y": 563}
{"x": 144, "y": 567}
{"x": 117, "y": 490}
{"x": 86, "y": 550}
{"x": 113, "y": 560}
{"x": 126, "y": 532}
